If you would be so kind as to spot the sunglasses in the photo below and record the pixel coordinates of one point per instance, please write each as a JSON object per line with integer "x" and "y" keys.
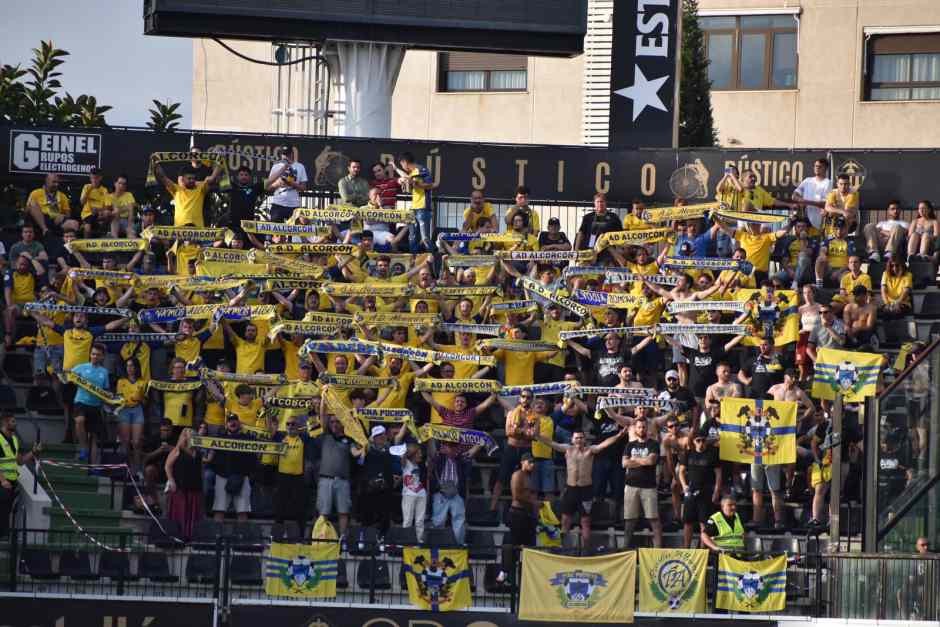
{"x": 671, "y": 426}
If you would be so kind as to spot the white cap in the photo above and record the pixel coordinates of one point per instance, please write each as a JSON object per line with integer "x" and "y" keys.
{"x": 398, "y": 450}
{"x": 377, "y": 430}
{"x": 672, "y": 374}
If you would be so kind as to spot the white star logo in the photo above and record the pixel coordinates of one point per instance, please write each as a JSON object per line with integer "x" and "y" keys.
{"x": 644, "y": 93}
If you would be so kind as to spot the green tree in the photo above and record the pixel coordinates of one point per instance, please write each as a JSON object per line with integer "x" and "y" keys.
{"x": 163, "y": 117}
{"x": 696, "y": 123}
{"x": 30, "y": 96}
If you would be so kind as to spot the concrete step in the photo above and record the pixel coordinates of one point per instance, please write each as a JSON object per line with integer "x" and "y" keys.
{"x": 87, "y": 518}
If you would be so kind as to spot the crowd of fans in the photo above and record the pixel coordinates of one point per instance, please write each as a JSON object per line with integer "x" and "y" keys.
{"x": 639, "y": 455}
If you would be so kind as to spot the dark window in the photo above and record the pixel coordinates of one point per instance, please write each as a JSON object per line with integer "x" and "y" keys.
{"x": 471, "y": 71}
{"x": 751, "y": 51}
{"x": 903, "y": 67}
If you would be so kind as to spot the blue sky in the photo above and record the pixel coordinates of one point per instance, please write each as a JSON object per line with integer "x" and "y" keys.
{"x": 110, "y": 59}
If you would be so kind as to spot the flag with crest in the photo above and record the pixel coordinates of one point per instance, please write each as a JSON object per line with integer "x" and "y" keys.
{"x": 752, "y": 586}
{"x": 853, "y": 374}
{"x": 758, "y": 431}
{"x": 301, "y": 570}
{"x": 673, "y": 580}
{"x": 438, "y": 579}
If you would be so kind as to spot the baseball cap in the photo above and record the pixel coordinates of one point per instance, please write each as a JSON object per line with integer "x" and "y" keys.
{"x": 95, "y": 171}
{"x": 306, "y": 365}
{"x": 377, "y": 430}
{"x": 554, "y": 220}
{"x": 147, "y": 209}
{"x": 672, "y": 374}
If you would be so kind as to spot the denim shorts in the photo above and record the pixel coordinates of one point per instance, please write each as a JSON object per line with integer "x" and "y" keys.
{"x": 131, "y": 415}
{"x": 543, "y": 479}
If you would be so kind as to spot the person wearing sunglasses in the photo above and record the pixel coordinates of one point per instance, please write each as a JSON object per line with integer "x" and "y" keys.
{"x": 700, "y": 476}
{"x": 290, "y": 492}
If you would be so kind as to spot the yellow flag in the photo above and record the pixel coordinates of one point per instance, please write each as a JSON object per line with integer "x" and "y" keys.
{"x": 301, "y": 570}
{"x": 548, "y": 531}
{"x": 558, "y": 588}
{"x": 438, "y": 579}
{"x": 752, "y": 586}
{"x": 758, "y": 431}
{"x": 780, "y": 316}
{"x": 673, "y": 580}
{"x": 853, "y": 374}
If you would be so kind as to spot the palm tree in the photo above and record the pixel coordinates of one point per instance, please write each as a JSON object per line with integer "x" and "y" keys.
{"x": 164, "y": 116}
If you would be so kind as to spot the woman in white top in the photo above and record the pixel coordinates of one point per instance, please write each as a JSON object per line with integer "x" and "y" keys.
{"x": 414, "y": 494}
{"x": 809, "y": 320}
{"x": 923, "y": 231}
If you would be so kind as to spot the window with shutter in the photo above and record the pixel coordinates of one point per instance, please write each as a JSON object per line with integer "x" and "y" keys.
{"x": 903, "y": 67}
{"x": 470, "y": 71}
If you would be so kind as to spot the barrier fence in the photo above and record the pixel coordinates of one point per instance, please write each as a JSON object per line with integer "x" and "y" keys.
{"x": 230, "y": 571}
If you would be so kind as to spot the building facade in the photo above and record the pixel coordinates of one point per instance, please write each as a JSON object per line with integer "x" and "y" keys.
{"x": 785, "y": 73}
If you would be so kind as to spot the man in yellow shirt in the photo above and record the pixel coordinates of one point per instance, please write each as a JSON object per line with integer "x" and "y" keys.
{"x": 249, "y": 351}
{"x": 757, "y": 243}
{"x": 847, "y": 283}
{"x": 190, "y": 197}
{"x": 479, "y": 208}
{"x": 533, "y": 223}
{"x": 554, "y": 368}
{"x": 834, "y": 255}
{"x": 97, "y": 211}
{"x": 756, "y": 198}
{"x": 841, "y": 202}
{"x": 519, "y": 365}
{"x": 244, "y": 405}
{"x": 49, "y": 208}
{"x": 20, "y": 286}
{"x": 178, "y": 406}
{"x": 419, "y": 178}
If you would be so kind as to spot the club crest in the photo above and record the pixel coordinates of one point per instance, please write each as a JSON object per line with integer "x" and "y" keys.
{"x": 578, "y": 588}
{"x": 302, "y": 575}
{"x": 435, "y": 579}
{"x": 672, "y": 580}
{"x": 751, "y": 588}
{"x": 757, "y": 436}
{"x": 846, "y": 376}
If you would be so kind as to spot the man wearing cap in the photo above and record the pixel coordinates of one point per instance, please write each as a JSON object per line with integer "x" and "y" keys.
{"x": 554, "y": 238}
{"x": 232, "y": 469}
{"x": 290, "y": 492}
{"x": 595, "y": 224}
{"x": 724, "y": 532}
{"x": 11, "y": 458}
{"x": 375, "y": 503}
{"x": 700, "y": 476}
{"x": 287, "y": 179}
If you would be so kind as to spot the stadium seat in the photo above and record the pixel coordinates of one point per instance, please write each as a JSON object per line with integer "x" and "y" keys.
{"x": 481, "y": 545}
{"x": 602, "y": 514}
{"x": 18, "y": 366}
{"x": 440, "y": 537}
{"x": 362, "y": 540}
{"x": 115, "y": 565}
{"x": 929, "y": 306}
{"x": 206, "y": 533}
{"x": 398, "y": 537}
{"x": 157, "y": 537}
{"x": 924, "y": 273}
{"x": 201, "y": 568}
{"x": 288, "y": 532}
{"x": 342, "y": 580}
{"x": 785, "y": 544}
{"x": 476, "y": 481}
{"x": 246, "y": 570}
{"x": 155, "y": 567}
{"x": 42, "y": 400}
{"x": 479, "y": 513}
{"x": 76, "y": 565}
{"x": 896, "y": 333}
{"x": 247, "y": 536}
{"x": 37, "y": 563}
{"x": 8, "y": 398}
{"x": 367, "y": 570}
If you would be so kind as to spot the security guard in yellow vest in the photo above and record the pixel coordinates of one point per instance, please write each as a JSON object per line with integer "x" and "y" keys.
{"x": 11, "y": 458}
{"x": 724, "y": 531}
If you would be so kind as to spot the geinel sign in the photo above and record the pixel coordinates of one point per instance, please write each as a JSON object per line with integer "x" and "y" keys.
{"x": 66, "y": 153}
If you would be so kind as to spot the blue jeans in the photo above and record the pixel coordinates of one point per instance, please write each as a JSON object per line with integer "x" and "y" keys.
{"x": 420, "y": 231}
{"x": 724, "y": 245}
{"x": 458, "y": 514}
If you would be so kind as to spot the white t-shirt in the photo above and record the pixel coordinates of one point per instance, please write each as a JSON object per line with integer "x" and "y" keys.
{"x": 887, "y": 225}
{"x": 813, "y": 189}
{"x": 411, "y": 481}
{"x": 288, "y": 196}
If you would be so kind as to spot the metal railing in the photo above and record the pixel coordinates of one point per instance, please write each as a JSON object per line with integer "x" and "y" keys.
{"x": 230, "y": 570}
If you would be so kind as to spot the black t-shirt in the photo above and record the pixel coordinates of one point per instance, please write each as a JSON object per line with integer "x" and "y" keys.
{"x": 713, "y": 428}
{"x": 545, "y": 239}
{"x": 602, "y": 430}
{"x": 242, "y": 201}
{"x": 766, "y": 372}
{"x": 702, "y": 368}
{"x": 605, "y": 366}
{"x": 594, "y": 225}
{"x": 684, "y": 402}
{"x": 642, "y": 476}
{"x": 700, "y": 468}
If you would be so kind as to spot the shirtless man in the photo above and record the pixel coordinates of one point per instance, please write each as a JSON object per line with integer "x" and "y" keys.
{"x": 859, "y": 318}
{"x": 683, "y": 293}
{"x": 725, "y": 386}
{"x": 523, "y": 514}
{"x": 579, "y": 465}
{"x": 790, "y": 390}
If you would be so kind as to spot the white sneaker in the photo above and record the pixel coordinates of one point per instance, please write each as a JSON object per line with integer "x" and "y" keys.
{"x": 875, "y": 256}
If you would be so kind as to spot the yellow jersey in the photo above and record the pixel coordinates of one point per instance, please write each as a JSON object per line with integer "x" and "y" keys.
{"x": 54, "y": 206}
{"x": 188, "y": 204}
{"x": 292, "y": 461}
{"x": 96, "y": 198}
{"x": 894, "y": 287}
{"x": 133, "y": 392}
{"x": 758, "y": 247}
{"x": 123, "y": 204}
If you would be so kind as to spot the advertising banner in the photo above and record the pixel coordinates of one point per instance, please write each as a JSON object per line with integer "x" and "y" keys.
{"x": 61, "y": 611}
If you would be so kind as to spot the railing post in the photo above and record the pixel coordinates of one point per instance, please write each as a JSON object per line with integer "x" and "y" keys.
{"x": 216, "y": 581}
{"x": 372, "y": 574}
{"x": 819, "y": 567}
{"x": 122, "y": 574}
{"x": 516, "y": 583}
{"x": 14, "y": 557}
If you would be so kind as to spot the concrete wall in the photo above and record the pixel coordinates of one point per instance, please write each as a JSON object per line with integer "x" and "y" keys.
{"x": 826, "y": 110}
